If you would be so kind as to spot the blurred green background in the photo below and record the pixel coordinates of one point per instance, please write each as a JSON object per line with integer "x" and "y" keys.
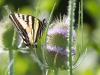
{"x": 24, "y": 64}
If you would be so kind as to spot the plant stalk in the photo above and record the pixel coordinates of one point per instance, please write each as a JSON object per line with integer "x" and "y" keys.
{"x": 10, "y": 60}
{"x": 70, "y": 35}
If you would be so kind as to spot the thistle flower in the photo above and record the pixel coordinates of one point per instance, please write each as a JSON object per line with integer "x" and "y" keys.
{"x": 57, "y": 43}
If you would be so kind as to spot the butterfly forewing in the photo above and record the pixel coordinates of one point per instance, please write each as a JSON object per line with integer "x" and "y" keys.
{"x": 26, "y": 27}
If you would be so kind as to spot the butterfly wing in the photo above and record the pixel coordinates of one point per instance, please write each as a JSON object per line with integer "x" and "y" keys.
{"x": 25, "y": 25}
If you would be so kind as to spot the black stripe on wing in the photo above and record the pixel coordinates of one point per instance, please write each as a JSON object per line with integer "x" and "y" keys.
{"x": 21, "y": 30}
{"x": 25, "y": 23}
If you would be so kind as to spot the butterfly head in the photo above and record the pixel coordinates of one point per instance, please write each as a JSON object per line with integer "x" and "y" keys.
{"x": 44, "y": 23}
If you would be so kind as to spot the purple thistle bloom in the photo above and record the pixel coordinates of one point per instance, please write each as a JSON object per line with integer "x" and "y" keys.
{"x": 57, "y": 49}
{"x": 54, "y": 31}
{"x": 60, "y": 50}
{"x": 57, "y": 42}
{"x": 56, "y": 34}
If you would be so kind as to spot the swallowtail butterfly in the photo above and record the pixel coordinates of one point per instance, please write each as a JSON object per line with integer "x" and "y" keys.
{"x": 28, "y": 29}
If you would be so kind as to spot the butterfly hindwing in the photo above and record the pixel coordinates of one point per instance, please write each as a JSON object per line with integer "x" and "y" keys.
{"x": 26, "y": 27}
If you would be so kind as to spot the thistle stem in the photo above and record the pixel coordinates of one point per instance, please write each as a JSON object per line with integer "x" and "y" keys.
{"x": 11, "y": 53}
{"x": 56, "y": 71}
{"x": 70, "y": 34}
{"x": 10, "y": 60}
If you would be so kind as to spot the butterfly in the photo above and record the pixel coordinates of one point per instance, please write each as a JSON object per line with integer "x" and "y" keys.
{"x": 29, "y": 28}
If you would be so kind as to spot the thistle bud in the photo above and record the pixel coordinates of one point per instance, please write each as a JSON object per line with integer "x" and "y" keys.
{"x": 7, "y": 34}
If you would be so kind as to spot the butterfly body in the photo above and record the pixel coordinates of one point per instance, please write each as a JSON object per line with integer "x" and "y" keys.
{"x": 29, "y": 28}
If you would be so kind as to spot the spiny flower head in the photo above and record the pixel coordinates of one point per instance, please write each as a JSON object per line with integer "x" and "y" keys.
{"x": 7, "y": 34}
{"x": 57, "y": 42}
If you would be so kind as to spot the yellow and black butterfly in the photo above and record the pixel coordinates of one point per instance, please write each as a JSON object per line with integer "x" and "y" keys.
{"x": 28, "y": 29}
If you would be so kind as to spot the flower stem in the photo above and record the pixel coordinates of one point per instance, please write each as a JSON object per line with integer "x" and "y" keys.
{"x": 56, "y": 71}
{"x": 11, "y": 53}
{"x": 11, "y": 58}
{"x": 70, "y": 34}
{"x": 82, "y": 22}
